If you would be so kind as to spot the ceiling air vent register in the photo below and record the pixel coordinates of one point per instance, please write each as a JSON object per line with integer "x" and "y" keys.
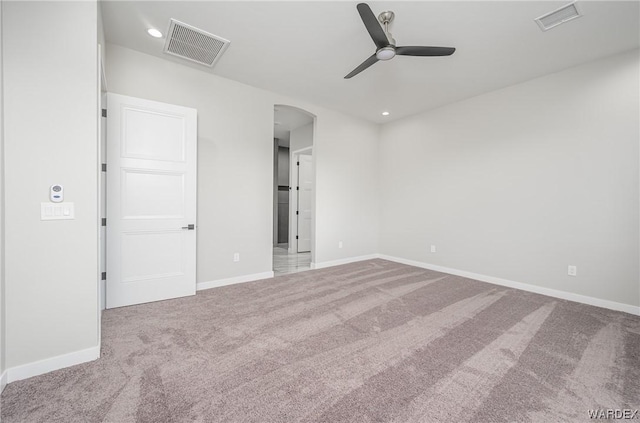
{"x": 558, "y": 16}
{"x": 196, "y": 45}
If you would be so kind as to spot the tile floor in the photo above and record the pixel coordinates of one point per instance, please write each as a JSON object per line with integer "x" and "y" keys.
{"x": 285, "y": 262}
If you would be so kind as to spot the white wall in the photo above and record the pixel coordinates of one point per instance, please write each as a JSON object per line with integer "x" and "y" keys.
{"x": 100, "y": 34}
{"x": 301, "y": 137}
{"x": 2, "y": 307}
{"x": 235, "y": 165}
{"x": 50, "y": 99}
{"x": 522, "y": 182}
{"x": 347, "y": 196}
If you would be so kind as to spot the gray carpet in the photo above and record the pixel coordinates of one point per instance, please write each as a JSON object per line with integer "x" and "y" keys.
{"x": 373, "y": 341}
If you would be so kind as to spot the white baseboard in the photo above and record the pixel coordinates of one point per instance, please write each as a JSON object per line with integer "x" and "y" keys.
{"x": 230, "y": 281}
{"x": 3, "y": 381}
{"x": 612, "y": 305}
{"x": 50, "y": 364}
{"x": 332, "y": 263}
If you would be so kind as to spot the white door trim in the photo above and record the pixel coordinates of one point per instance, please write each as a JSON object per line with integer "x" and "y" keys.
{"x": 102, "y": 84}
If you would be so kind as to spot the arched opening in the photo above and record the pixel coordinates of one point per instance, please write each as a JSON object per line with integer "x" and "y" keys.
{"x": 293, "y": 189}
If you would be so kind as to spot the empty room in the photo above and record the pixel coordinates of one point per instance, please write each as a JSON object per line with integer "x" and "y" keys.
{"x": 329, "y": 211}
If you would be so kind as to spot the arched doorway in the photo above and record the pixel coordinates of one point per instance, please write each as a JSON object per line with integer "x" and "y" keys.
{"x": 293, "y": 189}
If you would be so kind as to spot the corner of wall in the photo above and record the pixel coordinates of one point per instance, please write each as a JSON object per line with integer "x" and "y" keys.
{"x": 3, "y": 379}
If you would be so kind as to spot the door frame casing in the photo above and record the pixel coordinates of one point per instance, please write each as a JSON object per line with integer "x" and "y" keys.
{"x": 101, "y": 158}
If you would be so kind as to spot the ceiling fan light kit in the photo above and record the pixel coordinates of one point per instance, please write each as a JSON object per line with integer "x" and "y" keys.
{"x": 385, "y": 44}
{"x": 386, "y": 53}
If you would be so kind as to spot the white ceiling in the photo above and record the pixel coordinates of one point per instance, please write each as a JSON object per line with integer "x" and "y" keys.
{"x": 304, "y": 49}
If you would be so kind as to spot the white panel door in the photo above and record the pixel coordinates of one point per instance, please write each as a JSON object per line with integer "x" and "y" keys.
{"x": 151, "y": 201}
{"x": 305, "y": 194}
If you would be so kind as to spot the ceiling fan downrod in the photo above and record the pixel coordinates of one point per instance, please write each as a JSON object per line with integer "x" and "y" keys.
{"x": 385, "y": 19}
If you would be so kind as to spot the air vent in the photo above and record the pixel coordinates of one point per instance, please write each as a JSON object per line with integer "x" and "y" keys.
{"x": 194, "y": 44}
{"x": 559, "y": 16}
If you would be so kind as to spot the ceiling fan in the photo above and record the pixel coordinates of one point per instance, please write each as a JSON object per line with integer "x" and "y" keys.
{"x": 385, "y": 44}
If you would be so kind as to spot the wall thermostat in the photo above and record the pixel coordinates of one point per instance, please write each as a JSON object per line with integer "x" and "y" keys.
{"x": 56, "y": 193}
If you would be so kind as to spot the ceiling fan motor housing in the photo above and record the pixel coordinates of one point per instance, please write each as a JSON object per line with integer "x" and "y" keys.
{"x": 386, "y": 48}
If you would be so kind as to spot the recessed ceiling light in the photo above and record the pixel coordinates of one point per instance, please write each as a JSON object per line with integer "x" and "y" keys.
{"x": 154, "y": 33}
{"x": 385, "y": 113}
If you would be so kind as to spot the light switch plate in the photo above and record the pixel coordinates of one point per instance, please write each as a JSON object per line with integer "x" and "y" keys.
{"x": 57, "y": 211}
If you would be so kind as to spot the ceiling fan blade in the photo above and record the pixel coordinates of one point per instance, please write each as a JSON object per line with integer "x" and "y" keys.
{"x": 425, "y": 51}
{"x": 373, "y": 26}
{"x": 370, "y": 61}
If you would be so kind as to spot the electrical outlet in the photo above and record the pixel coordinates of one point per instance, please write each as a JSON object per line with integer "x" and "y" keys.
{"x": 433, "y": 248}
{"x": 573, "y": 271}
{"x": 236, "y": 256}
{"x": 339, "y": 244}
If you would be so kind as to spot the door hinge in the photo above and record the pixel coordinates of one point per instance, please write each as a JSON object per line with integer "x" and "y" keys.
{"x": 104, "y": 276}
{"x": 297, "y": 212}
{"x": 297, "y": 188}
{"x": 104, "y": 221}
{"x": 104, "y": 167}
{"x": 296, "y": 236}
{"x": 104, "y": 112}
{"x": 297, "y": 163}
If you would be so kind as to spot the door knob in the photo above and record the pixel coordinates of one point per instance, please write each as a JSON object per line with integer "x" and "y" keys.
{"x": 190, "y": 227}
